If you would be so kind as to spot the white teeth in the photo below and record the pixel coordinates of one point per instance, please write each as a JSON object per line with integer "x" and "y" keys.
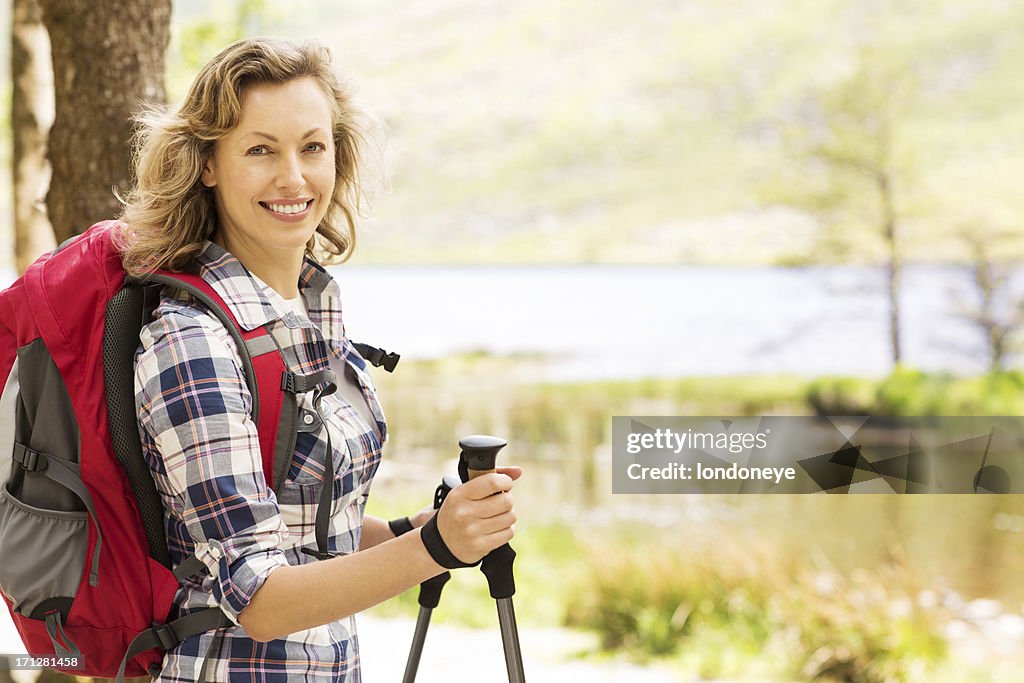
{"x": 288, "y": 208}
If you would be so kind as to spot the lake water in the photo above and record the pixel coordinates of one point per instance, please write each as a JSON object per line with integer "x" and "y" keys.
{"x": 621, "y": 322}
{"x": 636, "y": 321}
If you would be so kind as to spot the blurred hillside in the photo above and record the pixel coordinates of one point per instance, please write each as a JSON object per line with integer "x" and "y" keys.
{"x": 657, "y": 131}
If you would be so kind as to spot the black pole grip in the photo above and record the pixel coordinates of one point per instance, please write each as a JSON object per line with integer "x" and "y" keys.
{"x": 497, "y": 567}
{"x": 448, "y": 482}
{"x": 430, "y": 590}
{"x": 479, "y": 453}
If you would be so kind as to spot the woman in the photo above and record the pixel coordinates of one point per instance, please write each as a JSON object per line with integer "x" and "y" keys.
{"x": 252, "y": 176}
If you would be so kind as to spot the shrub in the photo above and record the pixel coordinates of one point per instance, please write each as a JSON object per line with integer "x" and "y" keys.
{"x": 908, "y": 392}
{"x": 653, "y": 604}
{"x": 842, "y": 396}
{"x": 731, "y": 611}
{"x": 862, "y": 629}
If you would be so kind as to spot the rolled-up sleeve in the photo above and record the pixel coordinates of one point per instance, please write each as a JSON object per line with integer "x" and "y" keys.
{"x": 197, "y": 431}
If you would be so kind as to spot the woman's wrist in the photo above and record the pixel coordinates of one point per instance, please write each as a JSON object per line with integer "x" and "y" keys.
{"x": 422, "y": 517}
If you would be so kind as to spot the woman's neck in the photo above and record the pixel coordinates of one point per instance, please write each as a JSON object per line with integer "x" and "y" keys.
{"x": 278, "y": 269}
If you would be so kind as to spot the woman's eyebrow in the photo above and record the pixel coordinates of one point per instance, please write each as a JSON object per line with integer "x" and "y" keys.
{"x": 270, "y": 137}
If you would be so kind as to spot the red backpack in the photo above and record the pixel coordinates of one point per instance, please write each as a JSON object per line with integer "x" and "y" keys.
{"x": 84, "y": 565}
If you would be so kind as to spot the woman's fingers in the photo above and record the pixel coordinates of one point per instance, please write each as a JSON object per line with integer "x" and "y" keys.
{"x": 485, "y": 485}
{"x": 479, "y": 515}
{"x": 496, "y": 504}
{"x": 512, "y": 471}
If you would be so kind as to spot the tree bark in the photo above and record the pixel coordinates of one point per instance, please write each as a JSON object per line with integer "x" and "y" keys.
{"x": 31, "y": 116}
{"x": 5, "y": 676}
{"x": 895, "y": 265}
{"x": 108, "y": 60}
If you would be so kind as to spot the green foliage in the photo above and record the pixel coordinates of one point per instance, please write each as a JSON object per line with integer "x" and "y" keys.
{"x": 909, "y": 392}
{"x": 559, "y": 132}
{"x": 195, "y": 42}
{"x": 558, "y": 140}
{"x": 650, "y": 603}
{"x": 730, "y": 608}
{"x": 842, "y": 395}
{"x": 865, "y": 629}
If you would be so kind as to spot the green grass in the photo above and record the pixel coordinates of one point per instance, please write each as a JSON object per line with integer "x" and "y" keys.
{"x": 912, "y": 392}
{"x": 745, "y": 606}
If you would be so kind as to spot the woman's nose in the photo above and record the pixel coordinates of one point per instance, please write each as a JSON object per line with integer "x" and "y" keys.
{"x": 289, "y": 173}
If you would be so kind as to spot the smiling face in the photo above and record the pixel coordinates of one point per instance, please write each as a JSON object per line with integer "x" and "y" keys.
{"x": 273, "y": 178}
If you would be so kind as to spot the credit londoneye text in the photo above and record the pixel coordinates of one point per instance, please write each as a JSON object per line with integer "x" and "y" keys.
{"x": 700, "y": 472}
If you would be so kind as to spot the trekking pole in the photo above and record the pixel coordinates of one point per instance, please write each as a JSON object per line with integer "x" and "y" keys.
{"x": 430, "y": 593}
{"x": 479, "y": 453}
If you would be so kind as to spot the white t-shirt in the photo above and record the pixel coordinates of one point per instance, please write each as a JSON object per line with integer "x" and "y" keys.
{"x": 348, "y": 385}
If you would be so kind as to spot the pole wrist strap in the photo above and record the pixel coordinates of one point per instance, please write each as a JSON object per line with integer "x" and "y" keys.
{"x": 437, "y": 548}
{"x": 402, "y": 525}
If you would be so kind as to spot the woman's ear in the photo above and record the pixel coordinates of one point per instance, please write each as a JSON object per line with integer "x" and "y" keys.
{"x": 209, "y": 175}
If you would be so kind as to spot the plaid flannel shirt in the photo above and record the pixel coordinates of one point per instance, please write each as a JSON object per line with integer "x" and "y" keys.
{"x": 203, "y": 449}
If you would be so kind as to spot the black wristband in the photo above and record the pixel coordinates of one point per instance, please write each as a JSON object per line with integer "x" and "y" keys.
{"x": 402, "y": 525}
{"x": 438, "y": 549}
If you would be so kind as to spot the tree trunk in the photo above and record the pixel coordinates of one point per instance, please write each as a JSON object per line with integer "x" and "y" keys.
{"x": 5, "y": 675}
{"x": 31, "y": 116}
{"x": 108, "y": 60}
{"x": 894, "y": 266}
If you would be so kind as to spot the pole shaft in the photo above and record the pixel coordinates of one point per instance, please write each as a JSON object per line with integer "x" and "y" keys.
{"x": 413, "y": 663}
{"x": 510, "y": 640}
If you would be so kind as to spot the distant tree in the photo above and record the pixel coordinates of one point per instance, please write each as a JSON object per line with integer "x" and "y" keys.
{"x": 31, "y": 115}
{"x": 851, "y": 170}
{"x": 997, "y": 310}
{"x": 108, "y": 60}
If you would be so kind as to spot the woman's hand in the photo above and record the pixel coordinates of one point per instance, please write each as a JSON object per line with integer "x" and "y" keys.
{"x": 479, "y": 516}
{"x": 422, "y": 517}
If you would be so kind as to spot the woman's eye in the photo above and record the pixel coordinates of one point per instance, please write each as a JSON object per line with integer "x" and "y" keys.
{"x": 316, "y": 147}
{"x": 258, "y": 150}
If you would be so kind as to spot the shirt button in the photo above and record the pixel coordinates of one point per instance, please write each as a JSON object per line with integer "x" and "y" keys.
{"x": 307, "y": 418}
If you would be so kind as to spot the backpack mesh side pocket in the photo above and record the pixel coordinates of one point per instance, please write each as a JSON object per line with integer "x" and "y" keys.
{"x": 44, "y": 555}
{"x": 44, "y": 525}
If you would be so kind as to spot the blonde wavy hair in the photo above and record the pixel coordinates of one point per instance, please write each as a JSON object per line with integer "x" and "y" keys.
{"x": 169, "y": 214}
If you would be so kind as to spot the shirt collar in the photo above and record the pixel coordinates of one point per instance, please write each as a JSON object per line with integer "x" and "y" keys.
{"x": 254, "y": 303}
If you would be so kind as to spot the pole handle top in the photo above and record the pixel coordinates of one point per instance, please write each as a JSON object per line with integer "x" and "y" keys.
{"x": 480, "y": 452}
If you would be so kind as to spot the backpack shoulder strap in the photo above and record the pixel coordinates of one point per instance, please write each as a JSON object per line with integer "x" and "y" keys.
{"x": 201, "y": 290}
{"x": 262, "y": 364}
{"x": 274, "y": 389}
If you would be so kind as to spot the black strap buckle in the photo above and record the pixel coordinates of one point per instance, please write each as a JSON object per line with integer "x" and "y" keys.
{"x": 29, "y": 459}
{"x": 165, "y": 637}
{"x": 295, "y": 383}
{"x": 317, "y": 554}
{"x": 390, "y": 361}
{"x": 379, "y": 358}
